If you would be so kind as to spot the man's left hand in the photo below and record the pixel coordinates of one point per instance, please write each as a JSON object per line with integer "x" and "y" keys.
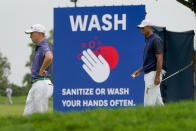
{"x": 43, "y": 72}
{"x": 157, "y": 80}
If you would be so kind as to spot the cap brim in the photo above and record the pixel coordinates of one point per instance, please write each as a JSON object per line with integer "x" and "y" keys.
{"x": 28, "y": 31}
{"x": 140, "y": 26}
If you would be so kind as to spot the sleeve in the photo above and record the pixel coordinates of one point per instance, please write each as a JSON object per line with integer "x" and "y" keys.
{"x": 45, "y": 49}
{"x": 158, "y": 46}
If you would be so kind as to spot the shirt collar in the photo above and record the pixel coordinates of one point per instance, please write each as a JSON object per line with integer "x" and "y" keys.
{"x": 41, "y": 43}
{"x": 150, "y": 36}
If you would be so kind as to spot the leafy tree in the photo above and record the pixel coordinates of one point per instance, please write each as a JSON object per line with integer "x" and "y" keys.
{"x": 191, "y": 4}
{"x": 4, "y": 73}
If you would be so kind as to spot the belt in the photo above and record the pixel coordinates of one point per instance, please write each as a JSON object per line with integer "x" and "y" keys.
{"x": 39, "y": 79}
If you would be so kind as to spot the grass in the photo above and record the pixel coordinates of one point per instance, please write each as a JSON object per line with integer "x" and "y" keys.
{"x": 172, "y": 117}
{"x": 17, "y": 108}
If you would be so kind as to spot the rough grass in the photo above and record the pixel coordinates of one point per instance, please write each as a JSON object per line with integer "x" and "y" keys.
{"x": 172, "y": 117}
{"x": 17, "y": 108}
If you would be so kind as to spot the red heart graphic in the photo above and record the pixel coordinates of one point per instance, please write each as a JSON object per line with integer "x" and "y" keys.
{"x": 110, "y": 54}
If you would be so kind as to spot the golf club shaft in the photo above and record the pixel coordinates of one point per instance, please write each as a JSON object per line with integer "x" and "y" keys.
{"x": 186, "y": 67}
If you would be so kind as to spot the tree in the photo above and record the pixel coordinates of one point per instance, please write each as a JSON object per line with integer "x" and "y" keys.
{"x": 4, "y": 73}
{"x": 27, "y": 77}
{"x": 191, "y": 4}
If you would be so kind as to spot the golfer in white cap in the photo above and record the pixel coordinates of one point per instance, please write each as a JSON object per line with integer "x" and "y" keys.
{"x": 152, "y": 65}
{"x": 42, "y": 88}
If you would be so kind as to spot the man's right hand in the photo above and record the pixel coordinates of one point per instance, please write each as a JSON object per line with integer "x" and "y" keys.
{"x": 137, "y": 73}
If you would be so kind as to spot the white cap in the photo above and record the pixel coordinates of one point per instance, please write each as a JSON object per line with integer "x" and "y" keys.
{"x": 145, "y": 23}
{"x": 36, "y": 28}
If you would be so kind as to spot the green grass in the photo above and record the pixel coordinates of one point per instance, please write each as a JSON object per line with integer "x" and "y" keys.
{"x": 17, "y": 108}
{"x": 172, "y": 117}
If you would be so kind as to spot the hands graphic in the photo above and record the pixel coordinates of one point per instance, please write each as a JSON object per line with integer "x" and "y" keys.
{"x": 96, "y": 67}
